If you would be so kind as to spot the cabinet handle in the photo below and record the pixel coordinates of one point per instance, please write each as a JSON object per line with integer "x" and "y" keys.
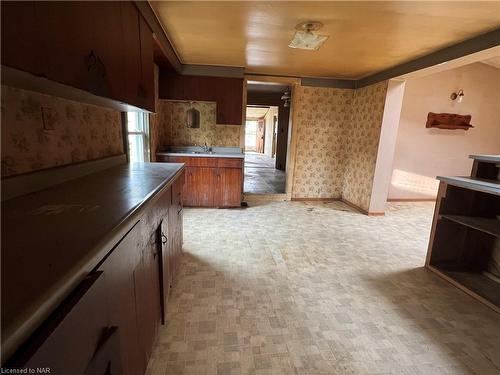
{"x": 164, "y": 239}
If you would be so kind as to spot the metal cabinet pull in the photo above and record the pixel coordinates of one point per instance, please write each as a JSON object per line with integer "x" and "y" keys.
{"x": 164, "y": 239}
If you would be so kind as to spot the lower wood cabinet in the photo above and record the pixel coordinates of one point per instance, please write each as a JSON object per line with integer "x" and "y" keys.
{"x": 78, "y": 338}
{"x": 210, "y": 181}
{"x": 110, "y": 323}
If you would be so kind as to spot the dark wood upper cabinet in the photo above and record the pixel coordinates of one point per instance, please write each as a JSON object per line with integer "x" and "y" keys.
{"x": 226, "y": 92}
{"x": 105, "y": 48}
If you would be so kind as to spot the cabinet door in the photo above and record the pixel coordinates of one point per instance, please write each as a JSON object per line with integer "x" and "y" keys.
{"x": 132, "y": 44}
{"x": 146, "y": 89}
{"x": 109, "y": 46}
{"x": 147, "y": 297}
{"x": 68, "y": 35}
{"x": 229, "y": 187}
{"x": 119, "y": 270}
{"x": 21, "y": 36}
{"x": 68, "y": 340}
{"x": 199, "y": 187}
{"x": 164, "y": 240}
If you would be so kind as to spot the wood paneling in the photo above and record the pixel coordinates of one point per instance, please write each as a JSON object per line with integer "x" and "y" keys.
{"x": 105, "y": 48}
{"x": 210, "y": 181}
{"x": 229, "y": 187}
{"x": 120, "y": 270}
{"x": 226, "y": 92}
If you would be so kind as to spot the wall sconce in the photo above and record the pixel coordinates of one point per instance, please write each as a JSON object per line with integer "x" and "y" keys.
{"x": 286, "y": 97}
{"x": 193, "y": 118}
{"x": 458, "y": 96}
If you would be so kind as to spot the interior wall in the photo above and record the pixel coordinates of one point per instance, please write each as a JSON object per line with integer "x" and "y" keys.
{"x": 422, "y": 154}
{"x": 362, "y": 139}
{"x": 322, "y": 115}
{"x": 41, "y": 131}
{"x": 268, "y": 139}
{"x": 173, "y": 118}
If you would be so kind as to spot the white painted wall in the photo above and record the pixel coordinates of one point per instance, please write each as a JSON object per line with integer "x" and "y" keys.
{"x": 268, "y": 141}
{"x": 422, "y": 154}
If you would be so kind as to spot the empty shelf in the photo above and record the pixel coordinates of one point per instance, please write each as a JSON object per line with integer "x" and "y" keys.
{"x": 490, "y": 226}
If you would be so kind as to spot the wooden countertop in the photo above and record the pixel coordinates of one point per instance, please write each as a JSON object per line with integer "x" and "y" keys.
{"x": 51, "y": 239}
{"x": 478, "y": 184}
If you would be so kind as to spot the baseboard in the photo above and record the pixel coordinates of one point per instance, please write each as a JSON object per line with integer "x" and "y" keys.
{"x": 249, "y": 197}
{"x": 411, "y": 200}
{"x": 362, "y": 210}
{"x": 315, "y": 199}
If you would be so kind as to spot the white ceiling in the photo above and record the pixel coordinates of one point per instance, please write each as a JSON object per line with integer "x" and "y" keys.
{"x": 256, "y": 112}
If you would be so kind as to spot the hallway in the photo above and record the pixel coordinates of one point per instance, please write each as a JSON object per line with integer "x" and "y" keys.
{"x": 261, "y": 176}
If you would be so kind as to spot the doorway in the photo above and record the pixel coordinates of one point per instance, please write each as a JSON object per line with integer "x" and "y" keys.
{"x": 261, "y": 173}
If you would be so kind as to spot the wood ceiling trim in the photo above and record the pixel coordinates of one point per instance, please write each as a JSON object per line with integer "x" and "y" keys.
{"x": 329, "y": 82}
{"x": 467, "y": 47}
{"x": 162, "y": 37}
{"x": 213, "y": 71}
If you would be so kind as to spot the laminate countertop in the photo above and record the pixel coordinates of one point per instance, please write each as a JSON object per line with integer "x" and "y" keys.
{"x": 473, "y": 183}
{"x": 51, "y": 239}
{"x": 203, "y": 154}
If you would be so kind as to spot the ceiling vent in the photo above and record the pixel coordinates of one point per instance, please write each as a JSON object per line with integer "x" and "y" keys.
{"x": 304, "y": 37}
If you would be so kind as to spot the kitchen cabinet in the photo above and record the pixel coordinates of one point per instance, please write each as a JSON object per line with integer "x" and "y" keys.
{"x": 75, "y": 335}
{"x": 109, "y": 322}
{"x": 105, "y": 48}
{"x": 226, "y": 92}
{"x": 121, "y": 270}
{"x": 229, "y": 187}
{"x": 210, "y": 181}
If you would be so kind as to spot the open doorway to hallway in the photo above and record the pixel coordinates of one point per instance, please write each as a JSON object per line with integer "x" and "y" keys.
{"x": 261, "y": 173}
{"x": 266, "y": 137}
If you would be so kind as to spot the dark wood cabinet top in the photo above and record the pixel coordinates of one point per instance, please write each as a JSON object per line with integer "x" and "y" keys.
{"x": 52, "y": 238}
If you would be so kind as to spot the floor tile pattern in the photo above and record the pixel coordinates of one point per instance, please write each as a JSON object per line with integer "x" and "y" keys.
{"x": 316, "y": 288}
{"x": 261, "y": 175}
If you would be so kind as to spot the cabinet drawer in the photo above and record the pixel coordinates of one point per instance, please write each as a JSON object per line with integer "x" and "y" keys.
{"x": 230, "y": 163}
{"x": 67, "y": 341}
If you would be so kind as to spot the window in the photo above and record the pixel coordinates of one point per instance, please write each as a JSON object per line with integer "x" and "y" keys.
{"x": 250, "y": 135}
{"x": 138, "y": 136}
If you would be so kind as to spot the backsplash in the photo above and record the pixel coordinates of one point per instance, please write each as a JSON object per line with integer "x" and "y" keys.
{"x": 41, "y": 131}
{"x": 172, "y": 118}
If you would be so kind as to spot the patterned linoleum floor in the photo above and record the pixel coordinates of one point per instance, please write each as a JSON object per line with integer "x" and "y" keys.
{"x": 301, "y": 288}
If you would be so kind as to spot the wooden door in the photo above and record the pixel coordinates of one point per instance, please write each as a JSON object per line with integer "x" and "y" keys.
{"x": 261, "y": 131}
{"x": 68, "y": 40}
{"x": 147, "y": 297}
{"x": 199, "y": 186}
{"x": 119, "y": 270}
{"x": 147, "y": 88}
{"x": 229, "y": 187}
{"x": 21, "y": 37}
{"x": 132, "y": 44}
{"x": 282, "y": 137}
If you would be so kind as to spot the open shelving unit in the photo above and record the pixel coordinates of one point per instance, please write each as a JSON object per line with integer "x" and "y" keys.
{"x": 465, "y": 236}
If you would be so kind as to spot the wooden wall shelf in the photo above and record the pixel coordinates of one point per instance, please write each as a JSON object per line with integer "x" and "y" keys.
{"x": 448, "y": 121}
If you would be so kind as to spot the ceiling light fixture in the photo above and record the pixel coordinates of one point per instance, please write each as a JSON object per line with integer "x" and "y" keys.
{"x": 304, "y": 37}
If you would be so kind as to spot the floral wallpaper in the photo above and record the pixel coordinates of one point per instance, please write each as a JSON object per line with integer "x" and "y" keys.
{"x": 362, "y": 139}
{"x": 172, "y": 118}
{"x": 322, "y": 115}
{"x": 42, "y": 131}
